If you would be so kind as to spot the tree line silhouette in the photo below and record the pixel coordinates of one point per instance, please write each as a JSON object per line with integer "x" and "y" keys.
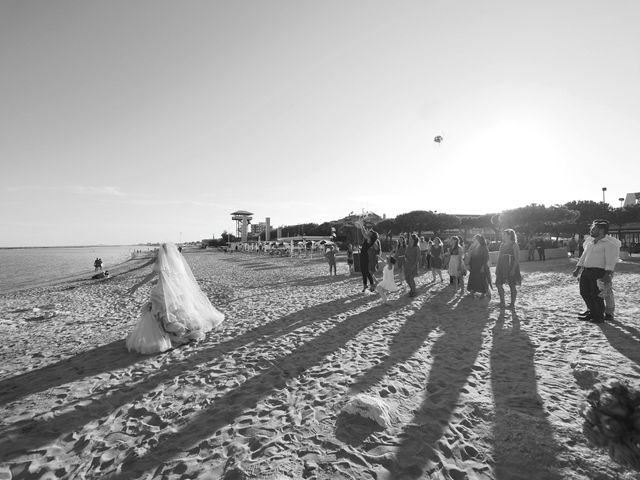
{"x": 536, "y": 219}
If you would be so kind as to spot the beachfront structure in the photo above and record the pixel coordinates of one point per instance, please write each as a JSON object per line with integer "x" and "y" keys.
{"x": 628, "y": 234}
{"x": 632, "y": 199}
{"x": 306, "y": 238}
{"x": 258, "y": 228}
{"x": 242, "y": 219}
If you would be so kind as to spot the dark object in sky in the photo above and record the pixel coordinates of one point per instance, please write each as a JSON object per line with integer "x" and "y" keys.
{"x": 438, "y": 139}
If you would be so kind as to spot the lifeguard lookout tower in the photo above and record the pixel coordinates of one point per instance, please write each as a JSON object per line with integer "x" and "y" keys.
{"x": 242, "y": 219}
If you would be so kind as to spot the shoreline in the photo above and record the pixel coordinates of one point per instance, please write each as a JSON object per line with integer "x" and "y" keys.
{"x": 117, "y": 269}
{"x": 473, "y": 391}
{"x": 74, "y": 246}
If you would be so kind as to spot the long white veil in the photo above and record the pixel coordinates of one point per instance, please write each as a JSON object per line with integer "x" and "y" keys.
{"x": 186, "y": 305}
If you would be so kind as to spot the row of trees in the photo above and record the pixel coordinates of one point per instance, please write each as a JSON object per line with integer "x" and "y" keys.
{"x": 531, "y": 220}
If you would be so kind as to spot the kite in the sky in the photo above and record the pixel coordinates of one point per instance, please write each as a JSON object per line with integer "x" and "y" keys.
{"x": 438, "y": 139}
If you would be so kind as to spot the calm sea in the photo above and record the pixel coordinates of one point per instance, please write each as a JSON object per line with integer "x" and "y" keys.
{"x": 25, "y": 267}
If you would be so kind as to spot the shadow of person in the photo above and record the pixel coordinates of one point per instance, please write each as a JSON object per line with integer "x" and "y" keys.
{"x": 454, "y": 354}
{"x": 407, "y": 341}
{"x": 32, "y": 433}
{"x": 230, "y": 404}
{"x": 315, "y": 281}
{"x": 523, "y": 439}
{"x": 623, "y": 338}
{"x": 410, "y": 338}
{"x": 109, "y": 357}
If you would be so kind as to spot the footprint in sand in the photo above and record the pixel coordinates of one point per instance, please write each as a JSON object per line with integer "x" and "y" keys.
{"x": 146, "y": 417}
{"x": 387, "y": 390}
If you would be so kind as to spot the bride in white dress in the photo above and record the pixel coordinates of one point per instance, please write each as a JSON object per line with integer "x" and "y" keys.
{"x": 177, "y": 312}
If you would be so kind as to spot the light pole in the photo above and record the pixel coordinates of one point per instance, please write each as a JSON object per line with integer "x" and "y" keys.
{"x": 604, "y": 189}
{"x": 621, "y": 200}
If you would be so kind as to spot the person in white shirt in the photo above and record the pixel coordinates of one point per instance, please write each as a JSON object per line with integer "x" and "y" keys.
{"x": 601, "y": 253}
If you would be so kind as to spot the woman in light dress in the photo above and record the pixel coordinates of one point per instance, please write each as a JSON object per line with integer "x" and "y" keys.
{"x": 388, "y": 284}
{"x": 508, "y": 267}
{"x": 178, "y": 312}
{"x": 456, "y": 264}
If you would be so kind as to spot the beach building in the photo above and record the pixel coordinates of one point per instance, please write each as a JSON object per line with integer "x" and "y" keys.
{"x": 258, "y": 228}
{"x": 632, "y": 199}
{"x": 629, "y": 236}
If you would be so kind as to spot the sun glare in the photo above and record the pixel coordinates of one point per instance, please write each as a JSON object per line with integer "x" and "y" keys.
{"x": 514, "y": 157}
{"x": 514, "y": 142}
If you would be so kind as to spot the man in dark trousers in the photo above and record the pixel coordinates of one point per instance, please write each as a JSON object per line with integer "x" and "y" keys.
{"x": 601, "y": 253}
{"x": 540, "y": 248}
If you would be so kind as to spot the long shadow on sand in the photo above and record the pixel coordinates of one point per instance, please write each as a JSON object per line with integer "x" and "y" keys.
{"x": 454, "y": 353}
{"x": 623, "y": 338}
{"x": 105, "y": 358}
{"x": 524, "y": 447}
{"x": 316, "y": 281}
{"x": 247, "y": 395}
{"x": 409, "y": 339}
{"x": 33, "y": 433}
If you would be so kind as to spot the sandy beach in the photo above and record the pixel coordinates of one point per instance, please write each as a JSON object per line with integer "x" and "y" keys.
{"x": 475, "y": 392}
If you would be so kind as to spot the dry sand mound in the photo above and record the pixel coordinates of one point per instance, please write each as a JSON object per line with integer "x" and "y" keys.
{"x": 474, "y": 392}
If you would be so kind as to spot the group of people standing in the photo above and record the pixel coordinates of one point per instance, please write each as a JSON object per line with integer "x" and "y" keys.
{"x": 595, "y": 267}
{"x": 536, "y": 245}
{"x": 98, "y": 264}
{"x": 178, "y": 312}
{"x": 407, "y": 256}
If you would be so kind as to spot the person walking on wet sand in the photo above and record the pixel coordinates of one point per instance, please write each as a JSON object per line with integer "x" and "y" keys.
{"x": 601, "y": 253}
{"x": 508, "y": 267}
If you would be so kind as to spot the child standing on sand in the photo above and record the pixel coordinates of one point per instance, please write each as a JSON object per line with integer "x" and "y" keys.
{"x": 457, "y": 270}
{"x": 331, "y": 257}
{"x": 350, "y": 258}
{"x": 388, "y": 284}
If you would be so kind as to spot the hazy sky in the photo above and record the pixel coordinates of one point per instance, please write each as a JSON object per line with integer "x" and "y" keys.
{"x": 124, "y": 122}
